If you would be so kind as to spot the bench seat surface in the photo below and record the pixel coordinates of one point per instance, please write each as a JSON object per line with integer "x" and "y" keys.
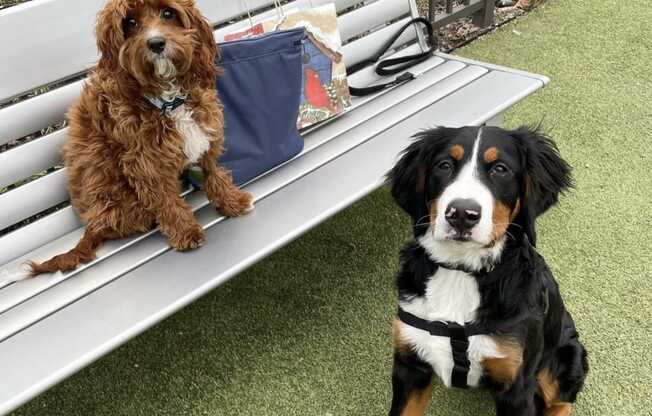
{"x": 85, "y": 314}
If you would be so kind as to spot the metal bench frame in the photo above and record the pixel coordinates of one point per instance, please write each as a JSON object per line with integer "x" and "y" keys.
{"x": 85, "y": 314}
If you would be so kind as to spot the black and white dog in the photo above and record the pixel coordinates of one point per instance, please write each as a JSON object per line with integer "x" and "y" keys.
{"x": 477, "y": 305}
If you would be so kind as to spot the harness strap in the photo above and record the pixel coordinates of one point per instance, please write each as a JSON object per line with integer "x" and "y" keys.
{"x": 442, "y": 328}
{"x": 459, "y": 338}
{"x": 461, "y": 362}
{"x": 461, "y": 268}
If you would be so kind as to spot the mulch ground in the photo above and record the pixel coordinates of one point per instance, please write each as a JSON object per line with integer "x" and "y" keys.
{"x": 463, "y": 31}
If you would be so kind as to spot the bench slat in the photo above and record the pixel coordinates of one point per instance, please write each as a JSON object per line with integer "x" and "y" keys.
{"x": 52, "y": 48}
{"x": 436, "y": 84}
{"x": 36, "y": 113}
{"x": 32, "y": 198}
{"x": 37, "y": 234}
{"x": 367, "y": 18}
{"x": 106, "y": 318}
{"x": 222, "y": 11}
{"x": 38, "y": 155}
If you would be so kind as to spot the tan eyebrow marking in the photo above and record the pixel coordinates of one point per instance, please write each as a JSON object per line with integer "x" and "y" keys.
{"x": 456, "y": 152}
{"x": 491, "y": 155}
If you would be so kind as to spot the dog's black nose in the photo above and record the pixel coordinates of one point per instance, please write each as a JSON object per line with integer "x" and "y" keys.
{"x": 463, "y": 214}
{"x": 156, "y": 44}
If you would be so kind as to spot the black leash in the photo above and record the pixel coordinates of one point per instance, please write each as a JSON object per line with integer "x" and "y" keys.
{"x": 395, "y": 65}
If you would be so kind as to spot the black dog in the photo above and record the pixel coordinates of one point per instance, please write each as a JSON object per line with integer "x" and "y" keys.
{"x": 477, "y": 304}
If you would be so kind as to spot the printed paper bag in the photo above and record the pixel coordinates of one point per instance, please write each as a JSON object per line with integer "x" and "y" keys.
{"x": 325, "y": 90}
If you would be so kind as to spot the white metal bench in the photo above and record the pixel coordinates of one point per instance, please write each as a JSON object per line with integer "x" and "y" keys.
{"x": 52, "y": 326}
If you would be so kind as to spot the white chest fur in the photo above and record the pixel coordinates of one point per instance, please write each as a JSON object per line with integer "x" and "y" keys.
{"x": 196, "y": 141}
{"x": 450, "y": 296}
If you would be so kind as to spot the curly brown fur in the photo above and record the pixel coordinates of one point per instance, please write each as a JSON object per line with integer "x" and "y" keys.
{"x": 124, "y": 157}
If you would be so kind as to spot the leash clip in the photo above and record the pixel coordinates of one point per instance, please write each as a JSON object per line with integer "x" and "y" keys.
{"x": 408, "y": 76}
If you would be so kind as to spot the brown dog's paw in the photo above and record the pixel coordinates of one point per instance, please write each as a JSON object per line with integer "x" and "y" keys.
{"x": 237, "y": 204}
{"x": 191, "y": 238}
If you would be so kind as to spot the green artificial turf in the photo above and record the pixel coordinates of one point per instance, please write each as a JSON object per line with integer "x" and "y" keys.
{"x": 307, "y": 331}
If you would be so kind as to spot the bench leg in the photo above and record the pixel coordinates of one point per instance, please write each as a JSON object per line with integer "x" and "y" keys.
{"x": 485, "y": 16}
{"x": 496, "y": 121}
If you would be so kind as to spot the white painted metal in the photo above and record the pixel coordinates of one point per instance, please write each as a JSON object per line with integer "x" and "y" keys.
{"x": 496, "y": 121}
{"x": 414, "y": 11}
{"x": 38, "y": 155}
{"x": 544, "y": 79}
{"x": 59, "y": 42}
{"x": 37, "y": 196}
{"x": 36, "y": 113}
{"x": 260, "y": 16}
{"x": 371, "y": 17}
{"x": 36, "y": 234}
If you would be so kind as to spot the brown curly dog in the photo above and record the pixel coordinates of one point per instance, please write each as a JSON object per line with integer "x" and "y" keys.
{"x": 147, "y": 111}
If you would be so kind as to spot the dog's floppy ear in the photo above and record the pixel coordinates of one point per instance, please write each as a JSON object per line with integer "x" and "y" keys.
{"x": 407, "y": 181}
{"x": 110, "y": 33}
{"x": 409, "y": 177}
{"x": 547, "y": 174}
{"x": 204, "y": 67}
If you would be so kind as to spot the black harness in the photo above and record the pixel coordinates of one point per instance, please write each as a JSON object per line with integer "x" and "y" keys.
{"x": 459, "y": 334}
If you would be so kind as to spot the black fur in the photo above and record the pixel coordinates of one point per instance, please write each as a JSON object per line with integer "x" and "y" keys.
{"x": 415, "y": 264}
{"x": 547, "y": 175}
{"x": 409, "y": 178}
{"x": 520, "y": 284}
{"x": 409, "y": 375}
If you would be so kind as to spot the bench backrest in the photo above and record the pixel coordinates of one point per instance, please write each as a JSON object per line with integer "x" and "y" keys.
{"x": 48, "y": 45}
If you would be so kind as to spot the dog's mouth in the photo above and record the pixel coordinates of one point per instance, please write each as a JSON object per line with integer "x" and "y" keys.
{"x": 459, "y": 236}
{"x": 463, "y": 238}
{"x": 164, "y": 68}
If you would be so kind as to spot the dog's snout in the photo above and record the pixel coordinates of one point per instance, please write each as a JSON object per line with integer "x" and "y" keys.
{"x": 156, "y": 44}
{"x": 463, "y": 214}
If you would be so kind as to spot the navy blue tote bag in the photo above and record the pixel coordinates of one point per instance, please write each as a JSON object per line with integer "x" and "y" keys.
{"x": 260, "y": 89}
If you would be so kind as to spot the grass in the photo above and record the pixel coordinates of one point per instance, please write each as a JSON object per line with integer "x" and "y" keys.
{"x": 307, "y": 332}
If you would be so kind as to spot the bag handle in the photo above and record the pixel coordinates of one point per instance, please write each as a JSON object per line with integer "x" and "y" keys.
{"x": 251, "y": 20}
{"x": 279, "y": 10}
{"x": 277, "y": 6}
{"x": 395, "y": 65}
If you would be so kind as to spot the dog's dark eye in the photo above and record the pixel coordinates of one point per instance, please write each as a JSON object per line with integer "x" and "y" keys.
{"x": 499, "y": 169}
{"x": 129, "y": 23}
{"x": 445, "y": 166}
{"x": 168, "y": 14}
